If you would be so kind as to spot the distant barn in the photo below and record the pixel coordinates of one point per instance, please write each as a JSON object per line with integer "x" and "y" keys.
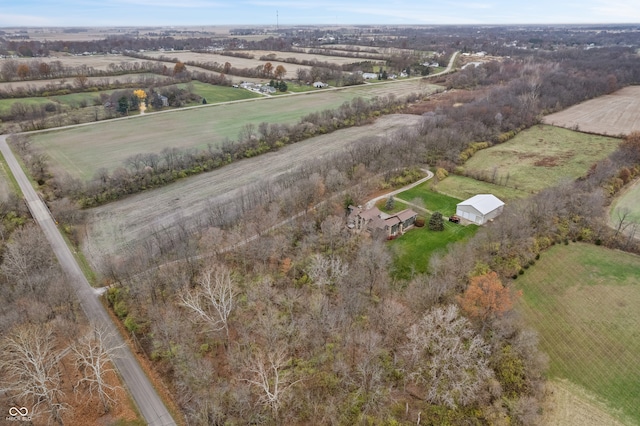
{"x": 480, "y": 208}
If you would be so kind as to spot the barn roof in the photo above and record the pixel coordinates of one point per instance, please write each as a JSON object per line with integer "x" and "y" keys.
{"x": 484, "y": 203}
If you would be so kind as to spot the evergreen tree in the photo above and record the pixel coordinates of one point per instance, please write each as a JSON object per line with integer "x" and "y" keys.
{"x": 436, "y": 223}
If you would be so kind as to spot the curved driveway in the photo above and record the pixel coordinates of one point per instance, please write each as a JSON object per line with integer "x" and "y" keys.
{"x": 149, "y": 403}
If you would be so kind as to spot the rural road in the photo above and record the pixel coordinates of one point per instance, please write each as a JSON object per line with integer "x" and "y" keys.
{"x": 147, "y": 400}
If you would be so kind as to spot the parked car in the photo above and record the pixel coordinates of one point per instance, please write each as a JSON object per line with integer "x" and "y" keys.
{"x": 454, "y": 219}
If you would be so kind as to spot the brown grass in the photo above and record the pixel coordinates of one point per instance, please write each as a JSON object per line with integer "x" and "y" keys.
{"x": 614, "y": 114}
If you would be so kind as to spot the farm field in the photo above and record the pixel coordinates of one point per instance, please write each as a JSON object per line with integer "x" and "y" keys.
{"x": 628, "y": 202}
{"x": 340, "y": 60}
{"x": 539, "y": 157}
{"x": 582, "y": 299}
{"x": 615, "y": 114}
{"x": 98, "y": 62}
{"x": 235, "y": 62}
{"x": 115, "y": 226}
{"x": 83, "y": 150}
{"x": 9, "y": 86}
{"x": 567, "y": 404}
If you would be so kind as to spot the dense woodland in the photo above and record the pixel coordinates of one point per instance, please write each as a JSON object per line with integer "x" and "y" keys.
{"x": 305, "y": 324}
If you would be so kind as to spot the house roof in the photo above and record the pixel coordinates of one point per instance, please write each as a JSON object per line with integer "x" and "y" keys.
{"x": 370, "y": 214}
{"x": 406, "y": 214}
{"x": 484, "y": 203}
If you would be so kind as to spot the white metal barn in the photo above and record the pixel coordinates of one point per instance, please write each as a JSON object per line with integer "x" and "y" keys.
{"x": 480, "y": 208}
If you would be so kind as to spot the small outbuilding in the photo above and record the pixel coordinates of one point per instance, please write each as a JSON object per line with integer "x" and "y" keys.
{"x": 480, "y": 208}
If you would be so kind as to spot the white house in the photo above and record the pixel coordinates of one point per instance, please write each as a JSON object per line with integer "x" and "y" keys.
{"x": 480, "y": 208}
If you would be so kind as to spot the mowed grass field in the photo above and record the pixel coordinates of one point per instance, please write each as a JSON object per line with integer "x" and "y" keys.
{"x": 84, "y": 149}
{"x": 539, "y": 157}
{"x": 413, "y": 250}
{"x": 463, "y": 187}
{"x": 583, "y": 301}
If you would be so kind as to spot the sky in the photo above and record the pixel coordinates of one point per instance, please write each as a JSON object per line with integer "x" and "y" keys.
{"x": 78, "y": 13}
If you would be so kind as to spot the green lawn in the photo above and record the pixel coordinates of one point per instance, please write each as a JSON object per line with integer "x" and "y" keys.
{"x": 216, "y": 94}
{"x": 539, "y": 157}
{"x": 412, "y": 251}
{"x": 433, "y": 201}
{"x": 583, "y": 301}
{"x": 463, "y": 187}
{"x": 5, "y": 104}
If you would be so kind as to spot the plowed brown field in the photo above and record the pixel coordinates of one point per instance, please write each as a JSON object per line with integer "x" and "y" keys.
{"x": 615, "y": 114}
{"x": 117, "y": 226}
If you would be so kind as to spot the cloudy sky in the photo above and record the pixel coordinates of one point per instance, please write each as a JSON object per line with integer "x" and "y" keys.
{"x": 291, "y": 12}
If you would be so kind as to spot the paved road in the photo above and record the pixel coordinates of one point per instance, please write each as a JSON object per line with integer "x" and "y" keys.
{"x": 149, "y": 403}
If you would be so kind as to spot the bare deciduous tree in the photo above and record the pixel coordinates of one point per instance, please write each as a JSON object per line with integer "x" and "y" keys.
{"x": 448, "y": 358}
{"x": 213, "y": 300}
{"x": 270, "y": 372}
{"x": 327, "y": 270}
{"x": 93, "y": 358}
{"x": 29, "y": 367}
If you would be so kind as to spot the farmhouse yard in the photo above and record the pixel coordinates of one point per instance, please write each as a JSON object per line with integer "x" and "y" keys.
{"x": 615, "y": 114}
{"x": 582, "y": 299}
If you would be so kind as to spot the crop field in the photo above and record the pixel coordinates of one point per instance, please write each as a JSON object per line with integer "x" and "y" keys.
{"x": 83, "y": 150}
{"x": 340, "y": 60}
{"x": 221, "y": 59}
{"x": 125, "y": 78}
{"x": 539, "y": 157}
{"x": 99, "y": 62}
{"x": 583, "y": 301}
{"x": 615, "y": 114}
{"x": 114, "y": 226}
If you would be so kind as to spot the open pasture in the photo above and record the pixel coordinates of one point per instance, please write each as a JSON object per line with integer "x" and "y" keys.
{"x": 582, "y": 299}
{"x": 539, "y": 157}
{"x": 83, "y": 150}
{"x": 615, "y": 114}
{"x": 117, "y": 225}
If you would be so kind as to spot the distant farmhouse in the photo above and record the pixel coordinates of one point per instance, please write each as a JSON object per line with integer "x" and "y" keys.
{"x": 379, "y": 223}
{"x": 480, "y": 208}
